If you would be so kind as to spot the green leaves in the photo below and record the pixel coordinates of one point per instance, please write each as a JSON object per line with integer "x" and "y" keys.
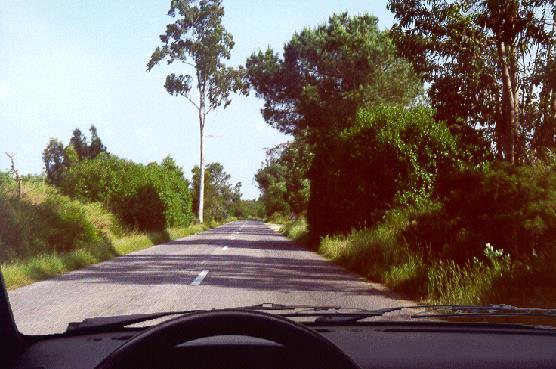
{"x": 326, "y": 73}
{"x": 146, "y": 197}
{"x": 391, "y": 157}
{"x": 283, "y": 178}
{"x": 221, "y": 197}
{"x": 198, "y": 39}
{"x": 456, "y": 46}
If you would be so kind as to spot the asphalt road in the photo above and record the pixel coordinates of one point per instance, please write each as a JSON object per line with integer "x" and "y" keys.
{"x": 238, "y": 264}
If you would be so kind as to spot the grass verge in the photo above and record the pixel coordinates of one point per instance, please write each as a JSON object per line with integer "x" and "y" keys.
{"x": 296, "y": 230}
{"x": 380, "y": 254}
{"x": 46, "y": 265}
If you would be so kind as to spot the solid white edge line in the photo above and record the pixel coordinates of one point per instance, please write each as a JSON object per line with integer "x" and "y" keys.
{"x": 200, "y": 278}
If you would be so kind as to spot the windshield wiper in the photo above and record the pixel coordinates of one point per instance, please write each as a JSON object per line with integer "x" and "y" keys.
{"x": 440, "y": 311}
{"x": 117, "y": 322}
{"x": 444, "y": 311}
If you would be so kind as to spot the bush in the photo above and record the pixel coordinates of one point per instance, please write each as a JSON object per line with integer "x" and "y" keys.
{"x": 145, "y": 197}
{"x": 392, "y": 156}
{"x": 57, "y": 224}
{"x": 510, "y": 207}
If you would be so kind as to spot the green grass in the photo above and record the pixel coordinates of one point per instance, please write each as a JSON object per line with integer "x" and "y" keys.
{"x": 46, "y": 265}
{"x": 381, "y": 254}
{"x": 296, "y": 230}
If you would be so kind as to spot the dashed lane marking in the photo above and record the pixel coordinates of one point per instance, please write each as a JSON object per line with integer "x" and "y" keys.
{"x": 200, "y": 278}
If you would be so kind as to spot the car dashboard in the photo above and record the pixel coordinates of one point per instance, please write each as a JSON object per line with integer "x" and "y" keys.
{"x": 376, "y": 345}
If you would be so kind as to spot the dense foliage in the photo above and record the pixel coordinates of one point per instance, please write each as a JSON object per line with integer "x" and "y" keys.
{"x": 509, "y": 207}
{"x": 283, "y": 179}
{"x": 490, "y": 65}
{"x": 58, "y": 159}
{"x": 327, "y": 73}
{"x": 391, "y": 157}
{"x": 145, "y": 197}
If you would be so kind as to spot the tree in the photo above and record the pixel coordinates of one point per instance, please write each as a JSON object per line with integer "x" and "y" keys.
{"x": 170, "y": 164}
{"x": 391, "y": 157}
{"x": 199, "y": 40}
{"x": 15, "y": 172}
{"x": 324, "y": 76}
{"x": 326, "y": 73}
{"x": 54, "y": 161}
{"x": 96, "y": 146}
{"x": 221, "y": 198}
{"x": 484, "y": 60}
{"x": 283, "y": 178}
{"x": 80, "y": 144}
{"x": 58, "y": 159}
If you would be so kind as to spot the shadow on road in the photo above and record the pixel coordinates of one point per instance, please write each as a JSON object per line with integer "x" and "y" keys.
{"x": 286, "y": 268}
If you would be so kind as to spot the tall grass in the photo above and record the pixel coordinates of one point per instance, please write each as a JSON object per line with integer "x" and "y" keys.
{"x": 19, "y": 273}
{"x": 382, "y": 254}
{"x": 296, "y": 230}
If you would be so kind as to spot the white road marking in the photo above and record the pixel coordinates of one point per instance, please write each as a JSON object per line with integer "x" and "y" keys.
{"x": 200, "y": 278}
{"x": 233, "y": 238}
{"x": 237, "y": 232}
{"x": 225, "y": 248}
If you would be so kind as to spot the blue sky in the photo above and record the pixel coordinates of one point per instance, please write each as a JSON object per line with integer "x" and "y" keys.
{"x": 67, "y": 64}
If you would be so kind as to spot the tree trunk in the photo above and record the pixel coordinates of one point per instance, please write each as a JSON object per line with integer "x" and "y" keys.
{"x": 202, "y": 116}
{"x": 517, "y": 150}
{"x": 508, "y": 104}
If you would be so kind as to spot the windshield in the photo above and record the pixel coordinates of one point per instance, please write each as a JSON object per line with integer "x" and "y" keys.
{"x": 168, "y": 156}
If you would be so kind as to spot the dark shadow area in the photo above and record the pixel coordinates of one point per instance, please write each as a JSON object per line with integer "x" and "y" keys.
{"x": 159, "y": 237}
{"x": 285, "y": 268}
{"x": 230, "y": 271}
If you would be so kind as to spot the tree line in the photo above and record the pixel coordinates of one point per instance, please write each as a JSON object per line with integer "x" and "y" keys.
{"x": 147, "y": 197}
{"x": 451, "y": 113}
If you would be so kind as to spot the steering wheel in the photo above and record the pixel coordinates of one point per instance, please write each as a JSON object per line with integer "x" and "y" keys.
{"x": 142, "y": 350}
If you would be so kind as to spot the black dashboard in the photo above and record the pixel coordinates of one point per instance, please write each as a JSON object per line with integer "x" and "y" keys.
{"x": 376, "y": 345}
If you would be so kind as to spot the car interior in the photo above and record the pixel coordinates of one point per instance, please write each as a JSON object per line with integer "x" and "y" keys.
{"x": 243, "y": 338}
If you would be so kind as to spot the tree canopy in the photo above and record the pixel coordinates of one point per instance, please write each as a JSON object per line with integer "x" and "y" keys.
{"x": 283, "y": 180}
{"x": 490, "y": 65}
{"x": 326, "y": 73}
{"x": 58, "y": 159}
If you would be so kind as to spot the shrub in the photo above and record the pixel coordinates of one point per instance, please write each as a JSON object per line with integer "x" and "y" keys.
{"x": 510, "y": 207}
{"x": 145, "y": 197}
{"x": 391, "y": 157}
{"x": 55, "y": 223}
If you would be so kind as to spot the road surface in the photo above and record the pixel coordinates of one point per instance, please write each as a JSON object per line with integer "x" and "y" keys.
{"x": 238, "y": 264}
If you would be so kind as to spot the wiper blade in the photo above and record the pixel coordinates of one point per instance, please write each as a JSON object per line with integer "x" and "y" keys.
{"x": 116, "y": 322}
{"x": 280, "y": 307}
{"x": 441, "y": 311}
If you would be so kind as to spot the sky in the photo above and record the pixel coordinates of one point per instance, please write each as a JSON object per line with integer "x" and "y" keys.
{"x": 66, "y": 64}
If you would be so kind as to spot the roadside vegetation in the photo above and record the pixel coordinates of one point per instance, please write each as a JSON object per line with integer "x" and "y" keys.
{"x": 93, "y": 206}
{"x": 45, "y": 233}
{"x": 445, "y": 193}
